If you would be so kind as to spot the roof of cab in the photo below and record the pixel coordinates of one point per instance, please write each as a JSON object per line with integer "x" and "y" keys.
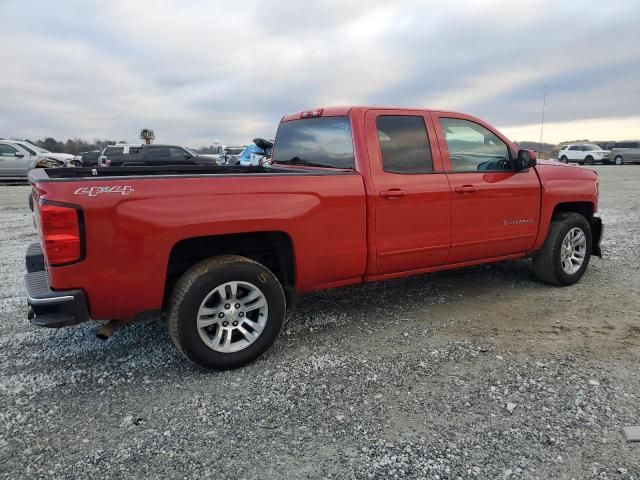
{"x": 343, "y": 110}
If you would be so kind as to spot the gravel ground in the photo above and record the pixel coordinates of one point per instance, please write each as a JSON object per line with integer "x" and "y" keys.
{"x": 476, "y": 373}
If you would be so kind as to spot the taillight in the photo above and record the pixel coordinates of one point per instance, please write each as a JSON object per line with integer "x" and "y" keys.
{"x": 61, "y": 233}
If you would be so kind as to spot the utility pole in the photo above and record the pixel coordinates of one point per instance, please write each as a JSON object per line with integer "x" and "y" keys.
{"x": 544, "y": 104}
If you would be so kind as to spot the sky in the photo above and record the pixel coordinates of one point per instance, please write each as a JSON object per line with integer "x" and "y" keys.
{"x": 197, "y": 71}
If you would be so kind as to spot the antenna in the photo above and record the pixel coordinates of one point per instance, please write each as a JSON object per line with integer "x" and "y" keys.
{"x": 544, "y": 104}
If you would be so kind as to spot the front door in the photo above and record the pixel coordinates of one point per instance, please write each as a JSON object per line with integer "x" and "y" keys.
{"x": 411, "y": 196}
{"x": 495, "y": 210}
{"x": 12, "y": 162}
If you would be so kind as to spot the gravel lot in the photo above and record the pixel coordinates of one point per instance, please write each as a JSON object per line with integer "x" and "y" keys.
{"x": 476, "y": 373}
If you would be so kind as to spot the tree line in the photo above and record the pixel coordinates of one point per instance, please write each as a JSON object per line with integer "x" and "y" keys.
{"x": 74, "y": 146}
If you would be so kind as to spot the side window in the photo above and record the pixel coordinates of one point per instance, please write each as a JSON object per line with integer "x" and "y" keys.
{"x": 472, "y": 147}
{"x": 159, "y": 153}
{"x": 113, "y": 151}
{"x": 178, "y": 153}
{"x": 7, "y": 150}
{"x": 404, "y": 144}
{"x": 573, "y": 147}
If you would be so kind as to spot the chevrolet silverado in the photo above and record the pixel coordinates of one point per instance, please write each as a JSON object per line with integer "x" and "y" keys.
{"x": 353, "y": 194}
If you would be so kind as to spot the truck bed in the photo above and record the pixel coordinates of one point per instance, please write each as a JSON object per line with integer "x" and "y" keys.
{"x": 48, "y": 174}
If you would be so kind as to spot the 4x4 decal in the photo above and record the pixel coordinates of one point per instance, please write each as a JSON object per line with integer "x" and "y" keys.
{"x": 93, "y": 191}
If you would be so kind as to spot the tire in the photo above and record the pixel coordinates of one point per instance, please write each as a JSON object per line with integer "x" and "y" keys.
{"x": 548, "y": 263}
{"x": 618, "y": 160}
{"x": 564, "y": 159}
{"x": 588, "y": 160}
{"x": 200, "y": 290}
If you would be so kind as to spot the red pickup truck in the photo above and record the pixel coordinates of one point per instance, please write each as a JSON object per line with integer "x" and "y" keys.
{"x": 353, "y": 194}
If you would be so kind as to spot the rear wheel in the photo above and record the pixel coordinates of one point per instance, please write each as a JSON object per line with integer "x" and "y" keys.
{"x": 566, "y": 251}
{"x": 225, "y": 312}
{"x": 618, "y": 160}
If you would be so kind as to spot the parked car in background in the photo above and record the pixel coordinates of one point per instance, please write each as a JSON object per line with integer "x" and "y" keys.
{"x": 232, "y": 155}
{"x": 625, "y": 152}
{"x": 16, "y": 160}
{"x": 90, "y": 159}
{"x": 68, "y": 159}
{"x": 583, "y": 153}
{"x": 122, "y": 155}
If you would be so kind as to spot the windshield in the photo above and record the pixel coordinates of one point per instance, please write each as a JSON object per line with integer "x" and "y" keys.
{"x": 27, "y": 147}
{"x": 37, "y": 149}
{"x": 315, "y": 142}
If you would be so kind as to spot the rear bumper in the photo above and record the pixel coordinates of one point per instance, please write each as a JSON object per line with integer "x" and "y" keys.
{"x": 51, "y": 308}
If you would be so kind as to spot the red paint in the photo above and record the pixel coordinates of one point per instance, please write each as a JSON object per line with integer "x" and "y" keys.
{"x": 345, "y": 229}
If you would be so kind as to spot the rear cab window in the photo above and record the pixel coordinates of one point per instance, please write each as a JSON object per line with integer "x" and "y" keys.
{"x": 315, "y": 142}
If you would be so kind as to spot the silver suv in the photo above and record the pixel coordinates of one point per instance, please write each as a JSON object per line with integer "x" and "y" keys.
{"x": 625, "y": 152}
{"x": 16, "y": 159}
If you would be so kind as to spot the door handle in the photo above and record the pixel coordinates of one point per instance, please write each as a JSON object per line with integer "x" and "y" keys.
{"x": 467, "y": 189}
{"x": 393, "y": 193}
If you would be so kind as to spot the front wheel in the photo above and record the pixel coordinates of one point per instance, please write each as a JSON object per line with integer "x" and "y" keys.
{"x": 618, "y": 160}
{"x": 589, "y": 160}
{"x": 225, "y": 312}
{"x": 566, "y": 251}
{"x": 564, "y": 159}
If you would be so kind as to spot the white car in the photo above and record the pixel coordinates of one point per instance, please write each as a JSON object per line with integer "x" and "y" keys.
{"x": 68, "y": 159}
{"x": 583, "y": 153}
{"x": 17, "y": 159}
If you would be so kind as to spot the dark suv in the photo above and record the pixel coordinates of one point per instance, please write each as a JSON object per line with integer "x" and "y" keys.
{"x": 127, "y": 155}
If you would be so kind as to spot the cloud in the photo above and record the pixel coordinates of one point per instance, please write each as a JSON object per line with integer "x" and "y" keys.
{"x": 196, "y": 70}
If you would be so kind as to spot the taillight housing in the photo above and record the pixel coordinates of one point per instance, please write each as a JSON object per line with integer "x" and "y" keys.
{"x": 62, "y": 233}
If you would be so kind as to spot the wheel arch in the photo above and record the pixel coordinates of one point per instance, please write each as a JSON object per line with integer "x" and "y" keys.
{"x": 584, "y": 208}
{"x": 273, "y": 249}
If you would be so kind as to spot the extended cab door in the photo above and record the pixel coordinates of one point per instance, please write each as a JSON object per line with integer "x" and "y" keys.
{"x": 495, "y": 210}
{"x": 412, "y": 198}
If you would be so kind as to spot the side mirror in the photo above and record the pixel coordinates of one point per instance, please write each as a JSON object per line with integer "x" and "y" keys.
{"x": 19, "y": 155}
{"x": 525, "y": 159}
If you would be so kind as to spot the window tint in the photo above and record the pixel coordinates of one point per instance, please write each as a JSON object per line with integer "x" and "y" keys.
{"x": 159, "y": 153}
{"x": 110, "y": 151}
{"x": 178, "y": 153}
{"x": 472, "y": 147}
{"x": 404, "y": 144}
{"x": 324, "y": 142}
{"x": 573, "y": 147}
{"x": 7, "y": 150}
{"x": 31, "y": 152}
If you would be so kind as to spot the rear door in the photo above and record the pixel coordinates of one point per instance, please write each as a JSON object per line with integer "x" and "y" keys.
{"x": 11, "y": 163}
{"x": 574, "y": 152}
{"x": 495, "y": 210}
{"x": 412, "y": 199}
